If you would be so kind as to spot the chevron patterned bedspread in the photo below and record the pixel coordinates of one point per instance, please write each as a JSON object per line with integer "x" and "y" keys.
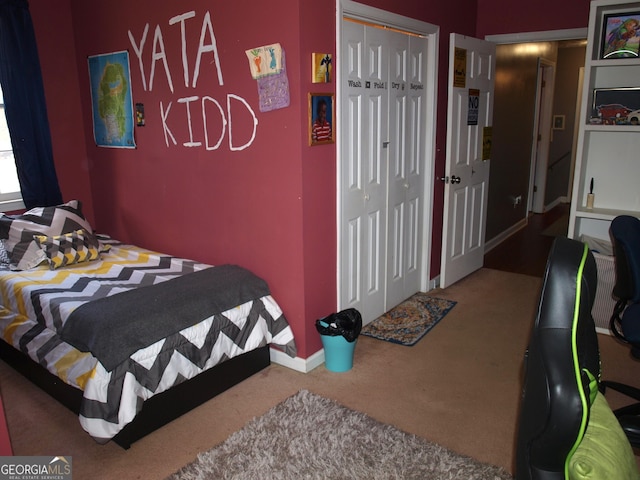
{"x": 36, "y": 303}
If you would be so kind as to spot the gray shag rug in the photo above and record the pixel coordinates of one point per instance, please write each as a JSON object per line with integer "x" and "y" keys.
{"x": 311, "y": 437}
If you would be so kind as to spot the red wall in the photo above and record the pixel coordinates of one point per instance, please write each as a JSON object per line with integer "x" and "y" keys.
{"x": 54, "y": 34}
{"x": 270, "y": 207}
{"x": 509, "y": 16}
{"x": 317, "y": 34}
{"x": 217, "y": 206}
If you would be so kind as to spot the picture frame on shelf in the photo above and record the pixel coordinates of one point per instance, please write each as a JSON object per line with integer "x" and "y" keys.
{"x": 321, "y": 118}
{"x": 620, "y": 35}
{"x": 615, "y": 106}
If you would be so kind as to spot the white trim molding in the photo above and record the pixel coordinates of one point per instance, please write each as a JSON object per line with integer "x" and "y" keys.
{"x": 546, "y": 36}
{"x": 11, "y": 205}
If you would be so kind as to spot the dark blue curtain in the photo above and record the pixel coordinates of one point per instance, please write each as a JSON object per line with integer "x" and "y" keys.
{"x": 25, "y": 107}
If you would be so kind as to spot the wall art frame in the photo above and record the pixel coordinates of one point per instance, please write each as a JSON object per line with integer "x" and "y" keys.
{"x": 321, "y": 118}
{"x": 558, "y": 122}
{"x": 620, "y": 35}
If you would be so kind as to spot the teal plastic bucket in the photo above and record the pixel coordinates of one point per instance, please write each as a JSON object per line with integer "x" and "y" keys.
{"x": 338, "y": 353}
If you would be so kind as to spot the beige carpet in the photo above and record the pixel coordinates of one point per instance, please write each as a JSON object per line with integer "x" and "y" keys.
{"x": 458, "y": 387}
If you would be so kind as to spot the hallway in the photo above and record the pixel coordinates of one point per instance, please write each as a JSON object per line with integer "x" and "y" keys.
{"x": 526, "y": 251}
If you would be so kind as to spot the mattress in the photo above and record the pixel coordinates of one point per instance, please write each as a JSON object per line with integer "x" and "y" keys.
{"x": 36, "y": 303}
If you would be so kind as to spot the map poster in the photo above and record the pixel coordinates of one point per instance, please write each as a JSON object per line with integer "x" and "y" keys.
{"x": 113, "y": 115}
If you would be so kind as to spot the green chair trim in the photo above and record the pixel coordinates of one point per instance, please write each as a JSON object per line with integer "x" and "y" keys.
{"x": 576, "y": 364}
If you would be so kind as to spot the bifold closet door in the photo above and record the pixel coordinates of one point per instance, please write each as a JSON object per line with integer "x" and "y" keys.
{"x": 406, "y": 158}
{"x": 382, "y": 157}
{"x": 363, "y": 172}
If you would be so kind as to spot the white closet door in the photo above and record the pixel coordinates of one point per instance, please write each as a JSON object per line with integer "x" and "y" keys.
{"x": 382, "y": 157}
{"x": 407, "y": 138}
{"x": 363, "y": 173}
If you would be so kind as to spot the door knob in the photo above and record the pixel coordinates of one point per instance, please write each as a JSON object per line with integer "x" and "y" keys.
{"x": 454, "y": 179}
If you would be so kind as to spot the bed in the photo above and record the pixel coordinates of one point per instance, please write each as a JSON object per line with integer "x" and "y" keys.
{"x": 127, "y": 338}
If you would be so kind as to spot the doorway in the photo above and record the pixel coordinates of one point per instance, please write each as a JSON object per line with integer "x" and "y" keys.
{"x": 541, "y": 136}
{"x": 386, "y": 93}
{"x": 512, "y": 174}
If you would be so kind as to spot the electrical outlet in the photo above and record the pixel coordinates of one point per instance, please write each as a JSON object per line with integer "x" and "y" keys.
{"x": 515, "y": 200}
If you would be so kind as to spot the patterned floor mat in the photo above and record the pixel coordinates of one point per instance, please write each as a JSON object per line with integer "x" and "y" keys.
{"x": 407, "y": 323}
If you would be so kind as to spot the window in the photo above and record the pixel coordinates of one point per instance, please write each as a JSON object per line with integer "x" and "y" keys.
{"x": 10, "y": 196}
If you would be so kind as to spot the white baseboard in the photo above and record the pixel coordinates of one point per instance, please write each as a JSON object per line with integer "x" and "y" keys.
{"x": 556, "y": 202}
{"x": 304, "y": 365}
{"x": 498, "y": 239}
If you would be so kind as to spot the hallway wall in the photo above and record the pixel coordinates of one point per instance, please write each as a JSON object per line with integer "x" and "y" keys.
{"x": 513, "y": 124}
{"x": 570, "y": 60}
{"x": 514, "y": 116}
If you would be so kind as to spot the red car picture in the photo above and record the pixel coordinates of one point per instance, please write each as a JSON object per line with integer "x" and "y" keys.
{"x": 613, "y": 113}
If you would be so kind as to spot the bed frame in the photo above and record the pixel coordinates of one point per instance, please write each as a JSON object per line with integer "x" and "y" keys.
{"x": 159, "y": 409}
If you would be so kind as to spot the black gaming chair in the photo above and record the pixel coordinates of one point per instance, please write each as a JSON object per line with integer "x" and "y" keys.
{"x": 562, "y": 370}
{"x": 625, "y": 321}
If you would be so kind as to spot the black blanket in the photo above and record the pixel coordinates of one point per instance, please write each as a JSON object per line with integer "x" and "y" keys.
{"x": 115, "y": 327}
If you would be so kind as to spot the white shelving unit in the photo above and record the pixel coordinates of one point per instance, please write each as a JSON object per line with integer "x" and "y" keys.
{"x": 610, "y": 154}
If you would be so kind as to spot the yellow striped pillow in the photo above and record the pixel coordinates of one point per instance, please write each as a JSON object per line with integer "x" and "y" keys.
{"x": 70, "y": 248}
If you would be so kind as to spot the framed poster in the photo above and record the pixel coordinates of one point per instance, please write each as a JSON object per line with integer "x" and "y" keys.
{"x": 113, "y": 113}
{"x": 620, "y": 35}
{"x": 321, "y": 67}
{"x": 321, "y": 116}
{"x": 487, "y": 140}
{"x": 460, "y": 68}
{"x": 615, "y": 106}
{"x": 474, "y": 106}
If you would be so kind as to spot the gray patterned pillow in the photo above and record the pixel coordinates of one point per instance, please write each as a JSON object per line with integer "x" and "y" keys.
{"x": 17, "y": 231}
{"x": 70, "y": 248}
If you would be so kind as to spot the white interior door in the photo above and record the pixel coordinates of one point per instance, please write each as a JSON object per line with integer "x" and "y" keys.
{"x": 363, "y": 187}
{"x": 407, "y": 78}
{"x": 383, "y": 156}
{"x": 470, "y": 110}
